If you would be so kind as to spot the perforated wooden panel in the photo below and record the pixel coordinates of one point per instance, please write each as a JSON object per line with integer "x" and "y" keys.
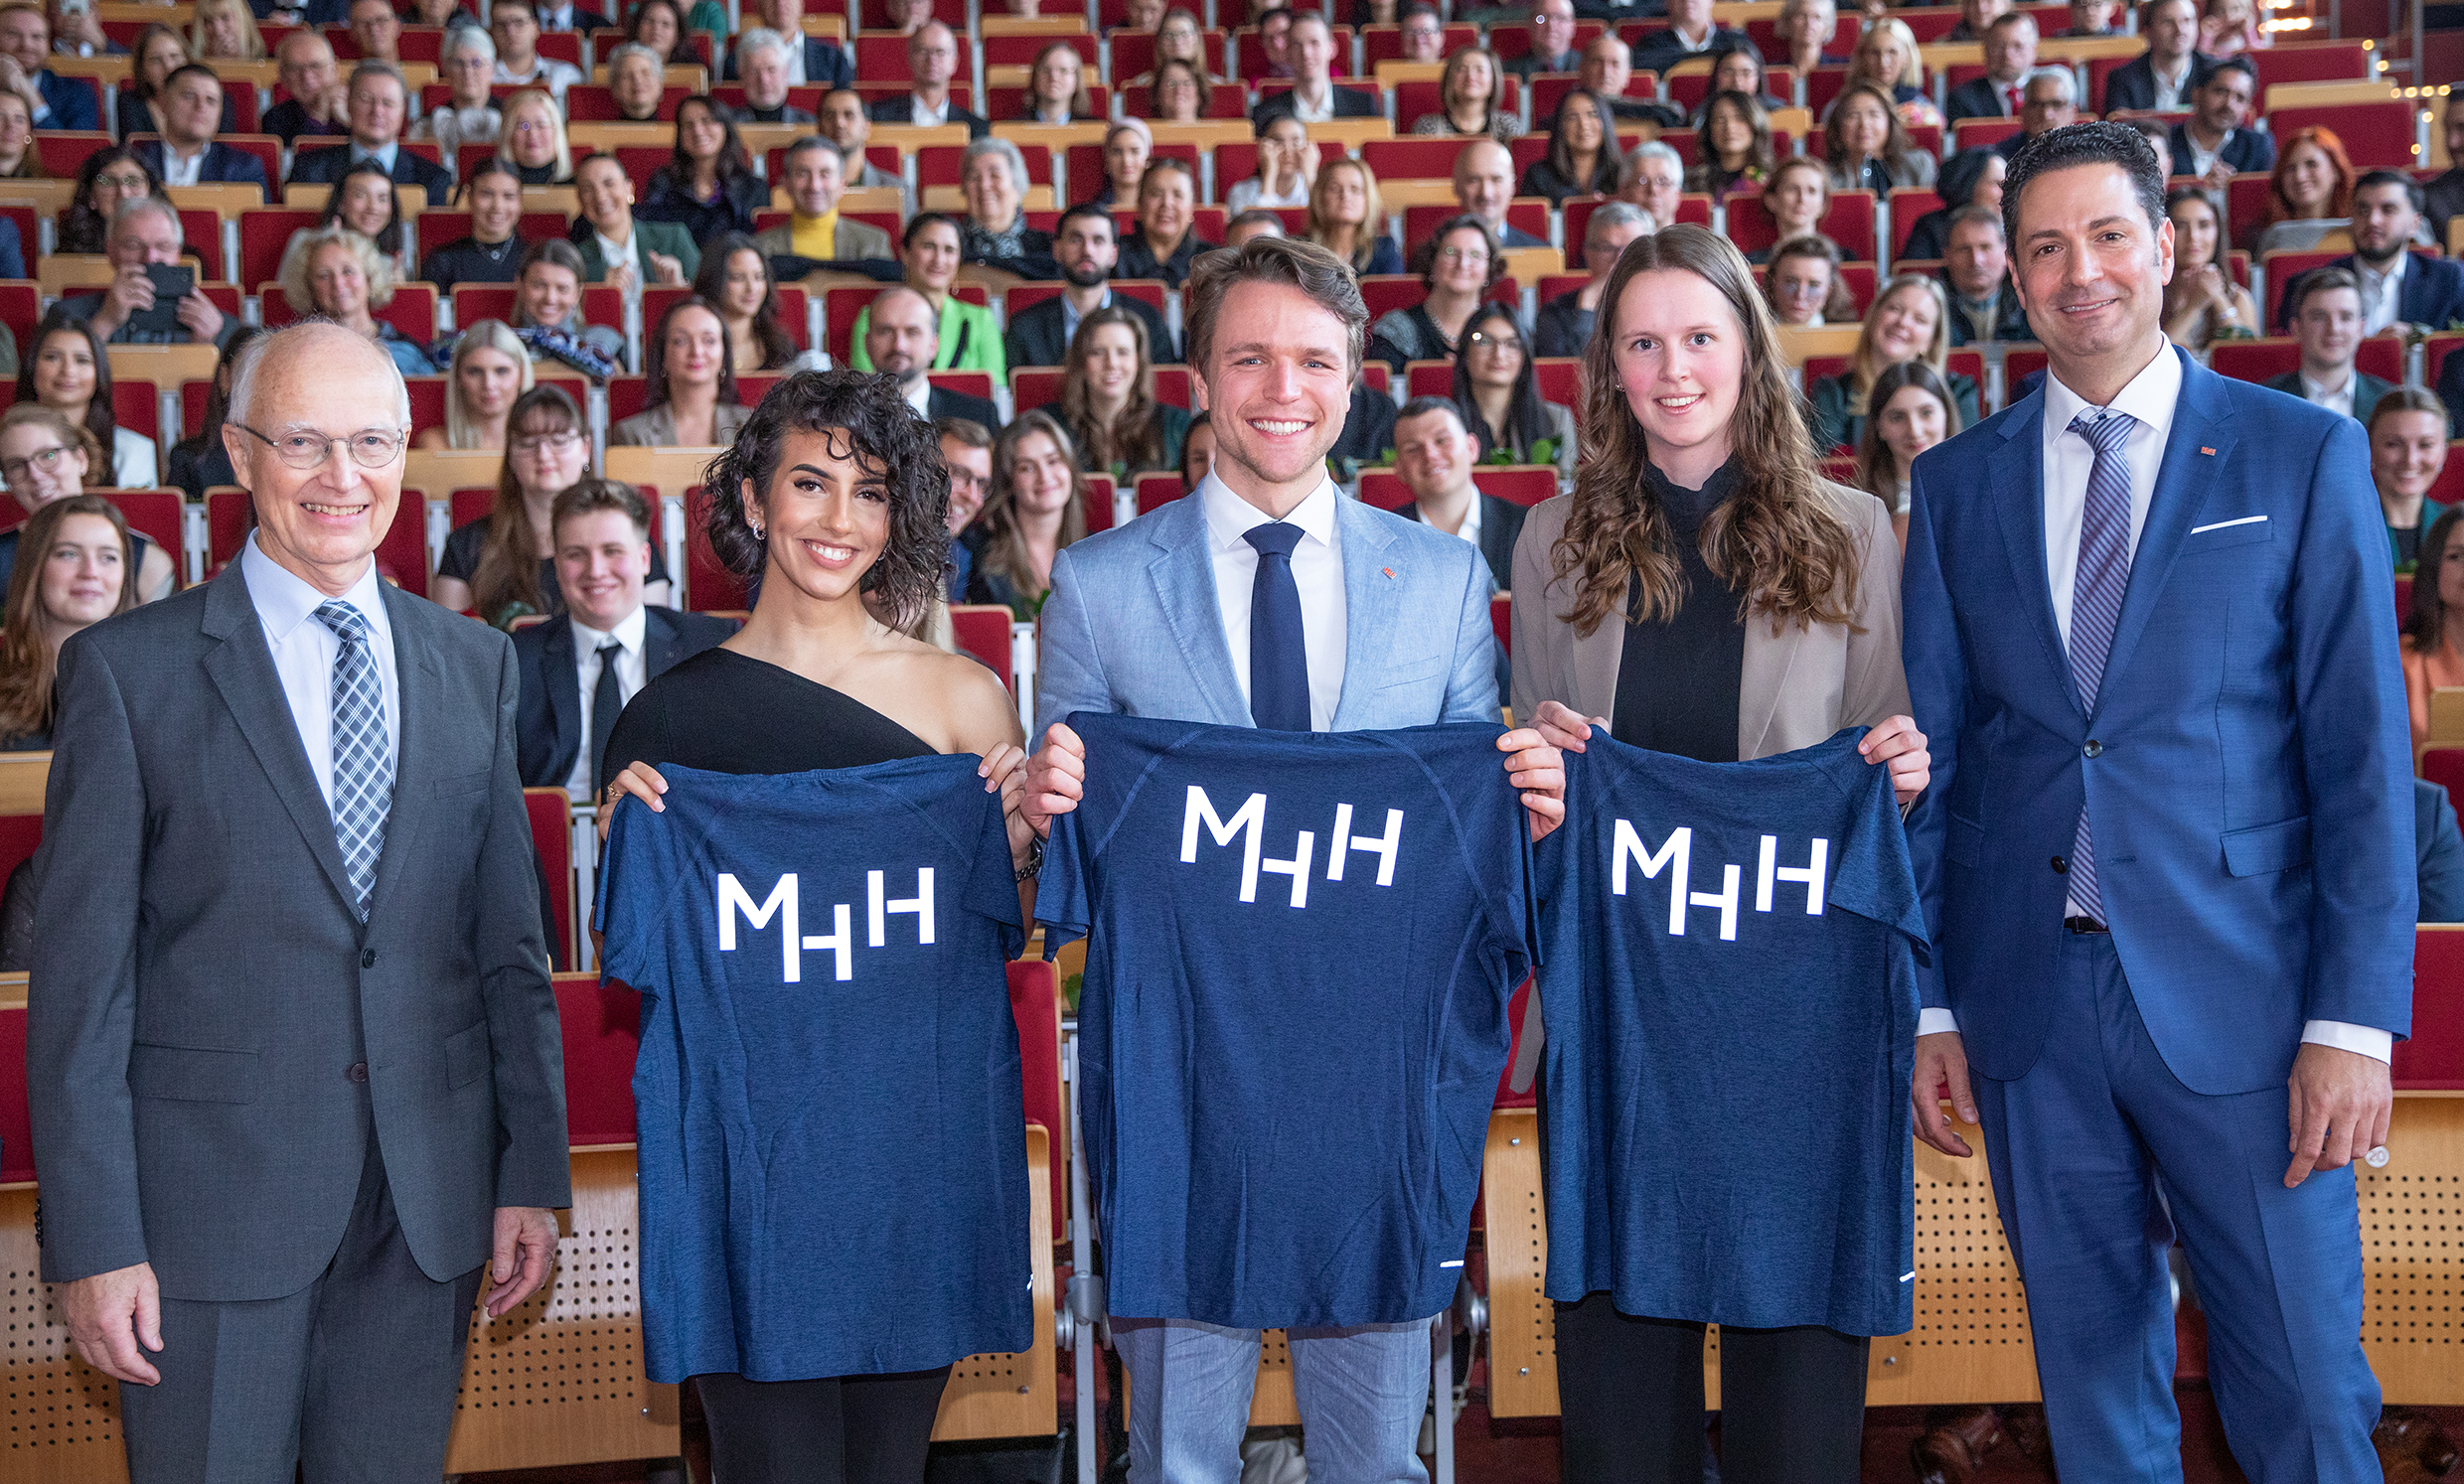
{"x": 1272, "y": 1403}
{"x": 2412, "y": 1253}
{"x": 1522, "y": 1323}
{"x": 60, "y": 1418}
{"x": 1014, "y": 1395}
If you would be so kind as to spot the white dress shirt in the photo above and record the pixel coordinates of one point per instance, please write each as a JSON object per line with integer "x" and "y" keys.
{"x": 631, "y": 676}
{"x": 2171, "y": 92}
{"x": 2338, "y": 400}
{"x": 2150, "y": 398}
{"x": 182, "y": 170}
{"x": 919, "y": 397}
{"x": 1320, "y": 112}
{"x": 383, "y": 154}
{"x": 304, "y": 651}
{"x": 2382, "y": 293}
{"x": 1470, "y": 530}
{"x": 1316, "y": 571}
{"x": 919, "y": 112}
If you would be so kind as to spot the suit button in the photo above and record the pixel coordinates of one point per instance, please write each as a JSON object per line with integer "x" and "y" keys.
{"x": 367, "y": 959}
{"x": 2093, "y": 749}
{"x": 2062, "y": 867}
{"x": 355, "y": 1072}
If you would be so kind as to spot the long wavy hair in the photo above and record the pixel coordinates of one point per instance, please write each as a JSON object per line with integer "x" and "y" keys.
{"x": 2425, "y": 624}
{"x": 1527, "y": 420}
{"x": 509, "y": 570}
{"x": 710, "y": 283}
{"x": 654, "y": 354}
{"x": 99, "y": 420}
{"x": 2280, "y": 206}
{"x": 1005, "y": 546}
{"x": 1371, "y": 230}
{"x": 1865, "y": 364}
{"x": 734, "y": 161}
{"x": 1605, "y": 165}
{"x": 28, "y": 665}
{"x": 1130, "y": 439}
{"x": 1778, "y": 541}
{"x": 1878, "y": 468}
{"x": 461, "y": 425}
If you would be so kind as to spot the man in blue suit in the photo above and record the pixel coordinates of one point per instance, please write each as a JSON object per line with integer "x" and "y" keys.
{"x": 56, "y": 102}
{"x": 1266, "y": 598}
{"x": 188, "y": 154}
{"x": 378, "y": 106}
{"x": 2167, "y": 857}
{"x": 2399, "y": 287}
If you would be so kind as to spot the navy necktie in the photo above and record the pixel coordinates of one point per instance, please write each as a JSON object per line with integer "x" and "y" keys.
{"x": 1279, "y": 692}
{"x": 2096, "y": 601}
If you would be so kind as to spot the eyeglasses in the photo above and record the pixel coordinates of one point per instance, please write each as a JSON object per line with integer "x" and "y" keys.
{"x": 1496, "y": 342}
{"x": 371, "y": 448}
{"x": 121, "y": 182}
{"x": 1462, "y": 255}
{"x": 538, "y": 443}
{"x": 45, "y": 460}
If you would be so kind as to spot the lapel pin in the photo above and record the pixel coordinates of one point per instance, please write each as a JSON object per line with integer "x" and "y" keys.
{"x": 1389, "y": 571}
{"x": 2210, "y": 452}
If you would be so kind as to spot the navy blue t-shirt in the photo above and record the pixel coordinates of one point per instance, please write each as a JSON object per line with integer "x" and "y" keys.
{"x": 1300, "y": 947}
{"x": 1731, "y": 1009}
{"x": 833, "y": 1147}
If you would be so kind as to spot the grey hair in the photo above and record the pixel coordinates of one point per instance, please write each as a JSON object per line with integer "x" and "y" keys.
{"x": 254, "y": 353}
{"x": 1608, "y": 216}
{"x": 1653, "y": 150}
{"x": 137, "y": 205}
{"x": 470, "y": 39}
{"x": 761, "y": 39}
{"x": 2068, "y": 79}
{"x": 993, "y": 144}
{"x": 382, "y": 70}
{"x": 812, "y": 143}
{"x": 658, "y": 64}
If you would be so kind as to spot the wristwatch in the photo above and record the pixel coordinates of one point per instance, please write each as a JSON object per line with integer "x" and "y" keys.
{"x": 1034, "y": 860}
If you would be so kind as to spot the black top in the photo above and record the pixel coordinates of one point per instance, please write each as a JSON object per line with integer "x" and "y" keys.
{"x": 731, "y": 210}
{"x": 1562, "y": 326}
{"x": 198, "y": 464}
{"x": 1679, "y": 680}
{"x": 471, "y": 260}
{"x": 464, "y": 547}
{"x": 2408, "y": 539}
{"x": 1137, "y": 260}
{"x": 726, "y": 712}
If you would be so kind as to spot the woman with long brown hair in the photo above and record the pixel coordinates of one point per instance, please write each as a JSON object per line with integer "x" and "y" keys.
{"x": 1347, "y": 215}
{"x": 2310, "y": 195}
{"x": 78, "y": 568}
{"x": 1107, "y": 398}
{"x": 1037, "y": 507}
{"x": 2432, "y": 644}
{"x": 1704, "y": 591}
{"x": 1909, "y": 321}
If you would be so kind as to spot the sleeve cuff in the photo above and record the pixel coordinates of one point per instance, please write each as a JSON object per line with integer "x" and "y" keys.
{"x": 1935, "y": 1021}
{"x": 2367, "y": 1040}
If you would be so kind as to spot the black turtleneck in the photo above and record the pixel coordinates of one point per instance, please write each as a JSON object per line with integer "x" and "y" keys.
{"x": 1679, "y": 678}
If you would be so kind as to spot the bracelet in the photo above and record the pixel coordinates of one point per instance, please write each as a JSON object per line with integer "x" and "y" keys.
{"x": 1035, "y": 862}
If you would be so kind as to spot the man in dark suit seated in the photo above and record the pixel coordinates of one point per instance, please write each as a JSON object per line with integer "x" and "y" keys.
{"x": 579, "y": 667}
{"x": 1552, "y": 42}
{"x": 764, "y": 55}
{"x": 902, "y": 335}
{"x": 378, "y": 105}
{"x": 2438, "y": 853}
{"x": 1434, "y": 455}
{"x": 1313, "y": 96}
{"x": 146, "y": 231}
{"x": 2170, "y": 71}
{"x": 187, "y": 154}
{"x": 2451, "y": 391}
{"x": 2010, "y": 56}
{"x": 318, "y": 104}
{"x": 2402, "y": 290}
{"x": 1484, "y": 186}
{"x": 566, "y": 16}
{"x": 2050, "y": 100}
{"x": 1691, "y": 33}
{"x": 56, "y": 102}
{"x": 2211, "y": 143}
{"x": 1976, "y": 274}
{"x": 1085, "y": 248}
{"x": 2323, "y": 310}
{"x": 932, "y": 59}
{"x": 817, "y": 64}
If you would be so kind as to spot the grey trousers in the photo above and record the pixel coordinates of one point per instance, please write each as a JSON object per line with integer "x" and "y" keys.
{"x": 353, "y": 1377}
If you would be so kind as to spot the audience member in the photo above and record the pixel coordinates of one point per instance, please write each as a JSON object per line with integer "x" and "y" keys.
{"x": 491, "y": 371}
{"x": 1797, "y": 197}
{"x": 1909, "y": 322}
{"x": 581, "y": 667}
{"x": 1181, "y": 92}
{"x": 1274, "y": 43}
{"x": 534, "y": 141}
{"x": 2434, "y": 640}
{"x": 160, "y": 51}
{"x": 1739, "y": 69}
{"x": 1434, "y": 455}
{"x": 2211, "y": 143}
{"x": 967, "y": 452}
{"x": 1499, "y": 396}
{"x": 56, "y": 102}
{"x": 19, "y": 159}
{"x": 899, "y": 335}
{"x": 2202, "y": 302}
{"x": 1564, "y": 325}
{"x": 1653, "y": 178}
{"x": 1257, "y": 222}
{"x": 2010, "y": 56}
{"x": 2402, "y": 290}
{"x": 47, "y": 456}
{"x": 636, "y": 80}
{"x": 815, "y": 64}
{"x": 1036, "y": 509}
{"x": 1109, "y": 402}
{"x": 735, "y": 280}
{"x": 1864, "y": 148}
{"x": 82, "y": 579}
{"x": 2164, "y": 76}
{"x": 200, "y": 461}
{"x": 2443, "y": 199}
{"x": 1581, "y": 159}
{"x": 1552, "y": 42}
{"x": 377, "y": 31}
{"x": 2438, "y": 850}
{"x": 762, "y": 57}
{"x": 70, "y": 372}
{"x": 1607, "y": 70}
{"x": 1198, "y": 451}
{"x": 109, "y": 177}
{"x": 365, "y": 201}
{"x": 707, "y": 187}
{"x": 1736, "y": 144}
{"x": 565, "y": 16}
{"x": 501, "y": 567}
{"x": 1056, "y": 87}
{"x": 1127, "y": 145}
{"x": 815, "y": 179}
{"x": 76, "y": 32}
{"x": 1803, "y": 286}
{"x": 1164, "y": 244}
{"x": 1470, "y": 98}
{"x": 1806, "y": 29}
{"x": 932, "y": 60}
{"x": 318, "y": 103}
{"x": 1484, "y": 187}
{"x": 1913, "y": 409}
{"x": 467, "y": 64}
{"x": 1976, "y": 18}
{"x": 2451, "y": 391}
{"x": 2323, "y": 308}
{"x": 658, "y": 27}
{"x": 448, "y": 14}
{"x": 993, "y": 234}
{"x": 1691, "y": 31}
{"x": 1886, "y": 57}
{"x": 1973, "y": 176}
{"x": 906, "y": 17}
{"x": 492, "y": 253}
{"x": 968, "y": 336}
{"x": 619, "y": 248}
{"x": 1421, "y": 34}
{"x": 1313, "y": 96}
{"x": 2407, "y": 451}
{"x": 225, "y": 31}
{"x": 2094, "y": 18}
{"x": 378, "y": 106}
{"x": 145, "y": 233}
{"x": 1286, "y": 169}
{"x": 690, "y": 401}
{"x": 341, "y": 275}
{"x": 2050, "y": 102}
{"x": 1084, "y": 250}
{"x": 548, "y": 296}
{"x": 1178, "y": 38}
{"x": 2228, "y": 28}
{"x": 1976, "y": 270}
{"x": 2309, "y": 197}
{"x": 514, "y": 28}
{"x": 1345, "y": 212}
{"x": 1459, "y": 265}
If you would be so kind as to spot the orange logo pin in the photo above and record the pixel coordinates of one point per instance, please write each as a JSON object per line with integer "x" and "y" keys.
{"x": 1389, "y": 571}
{"x": 2210, "y": 452}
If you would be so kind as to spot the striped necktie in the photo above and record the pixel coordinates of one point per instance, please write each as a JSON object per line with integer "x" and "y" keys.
{"x": 363, "y": 762}
{"x": 2096, "y": 600}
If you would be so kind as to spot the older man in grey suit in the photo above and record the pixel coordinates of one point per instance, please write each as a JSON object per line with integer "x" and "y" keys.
{"x": 1176, "y": 615}
{"x": 292, "y": 1051}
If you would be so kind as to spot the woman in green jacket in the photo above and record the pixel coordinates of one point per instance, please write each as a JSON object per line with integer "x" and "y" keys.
{"x": 970, "y": 339}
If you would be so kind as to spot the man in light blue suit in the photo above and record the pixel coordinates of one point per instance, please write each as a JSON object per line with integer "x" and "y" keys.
{"x": 1266, "y": 598}
{"x": 2167, "y": 855}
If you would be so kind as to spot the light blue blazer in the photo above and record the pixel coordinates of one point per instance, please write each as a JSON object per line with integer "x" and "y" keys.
{"x": 1134, "y": 626}
{"x": 2246, "y": 768}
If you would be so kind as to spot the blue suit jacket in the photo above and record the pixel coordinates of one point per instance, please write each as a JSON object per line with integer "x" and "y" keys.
{"x": 1133, "y": 626}
{"x": 2432, "y": 292}
{"x": 2246, "y": 770}
{"x": 222, "y": 165}
{"x": 71, "y": 101}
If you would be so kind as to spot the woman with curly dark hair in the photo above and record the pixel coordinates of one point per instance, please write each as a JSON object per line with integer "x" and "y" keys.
{"x": 1710, "y": 594}
{"x": 108, "y": 178}
{"x": 708, "y": 185}
{"x": 832, "y": 497}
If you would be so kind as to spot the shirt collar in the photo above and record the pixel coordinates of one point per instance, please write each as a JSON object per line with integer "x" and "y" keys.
{"x": 2394, "y": 272}
{"x": 629, "y": 632}
{"x": 919, "y": 397}
{"x": 615, "y": 252}
{"x": 1229, "y": 517}
{"x": 383, "y": 154}
{"x": 2150, "y": 395}
{"x": 284, "y": 600}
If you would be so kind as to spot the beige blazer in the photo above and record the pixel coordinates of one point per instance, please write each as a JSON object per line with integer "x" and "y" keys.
{"x": 655, "y": 428}
{"x": 1801, "y": 685}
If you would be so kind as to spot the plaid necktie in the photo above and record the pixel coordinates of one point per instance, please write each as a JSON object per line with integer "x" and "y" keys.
{"x": 2096, "y": 600}
{"x": 363, "y": 763}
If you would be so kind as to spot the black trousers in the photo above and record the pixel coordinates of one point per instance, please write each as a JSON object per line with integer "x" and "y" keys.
{"x": 841, "y": 1429}
{"x": 1631, "y": 1393}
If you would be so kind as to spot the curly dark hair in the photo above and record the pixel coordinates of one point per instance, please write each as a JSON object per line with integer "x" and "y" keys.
{"x": 389, "y": 239}
{"x": 865, "y": 417}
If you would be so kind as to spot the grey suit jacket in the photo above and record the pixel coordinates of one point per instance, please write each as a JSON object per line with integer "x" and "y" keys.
{"x": 655, "y": 428}
{"x": 1800, "y": 683}
{"x": 1133, "y": 626}
{"x": 202, "y": 992}
{"x": 849, "y": 241}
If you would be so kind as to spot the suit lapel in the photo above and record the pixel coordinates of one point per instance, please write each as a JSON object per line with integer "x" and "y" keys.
{"x": 243, "y": 671}
{"x": 660, "y": 646}
{"x": 1763, "y": 680}
{"x": 1372, "y": 599}
{"x": 1184, "y": 574}
{"x": 565, "y": 693}
{"x": 2017, "y": 472}
{"x": 2200, "y": 441}
{"x": 421, "y": 743}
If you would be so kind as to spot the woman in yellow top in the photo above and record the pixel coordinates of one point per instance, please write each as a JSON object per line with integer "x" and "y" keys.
{"x": 970, "y": 339}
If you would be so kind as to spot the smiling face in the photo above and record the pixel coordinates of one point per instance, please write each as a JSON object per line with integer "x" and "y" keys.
{"x": 84, "y": 571}
{"x": 1278, "y": 378}
{"x": 2328, "y": 329}
{"x": 366, "y": 204}
{"x": 702, "y": 135}
{"x": 602, "y": 560}
{"x": 548, "y": 293}
{"x": 1864, "y": 125}
{"x": 488, "y": 382}
{"x": 816, "y": 179}
{"x": 1494, "y": 353}
{"x": 2089, "y": 269}
{"x": 1801, "y": 287}
{"x": 827, "y": 515}
{"x": 337, "y": 283}
{"x": 221, "y": 35}
{"x": 1434, "y": 454}
{"x": 931, "y": 257}
{"x": 548, "y": 453}
{"x": 2309, "y": 179}
{"x": 992, "y": 193}
{"x": 1912, "y": 421}
{"x": 40, "y": 466}
{"x": 606, "y": 196}
{"x": 695, "y": 349}
{"x": 1460, "y": 264}
{"x": 26, "y": 36}
{"x": 747, "y": 284}
{"x": 1578, "y": 123}
{"x": 2194, "y": 231}
{"x": 2407, "y": 451}
{"x": 531, "y": 135}
{"x": 1124, "y": 163}
{"x": 1041, "y": 478}
{"x": 971, "y": 478}
{"x": 1110, "y": 362}
{"x": 64, "y": 371}
{"x": 16, "y": 129}
{"x": 496, "y": 207}
{"x": 1680, "y": 355}
{"x": 320, "y": 523}
{"x": 1164, "y": 200}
